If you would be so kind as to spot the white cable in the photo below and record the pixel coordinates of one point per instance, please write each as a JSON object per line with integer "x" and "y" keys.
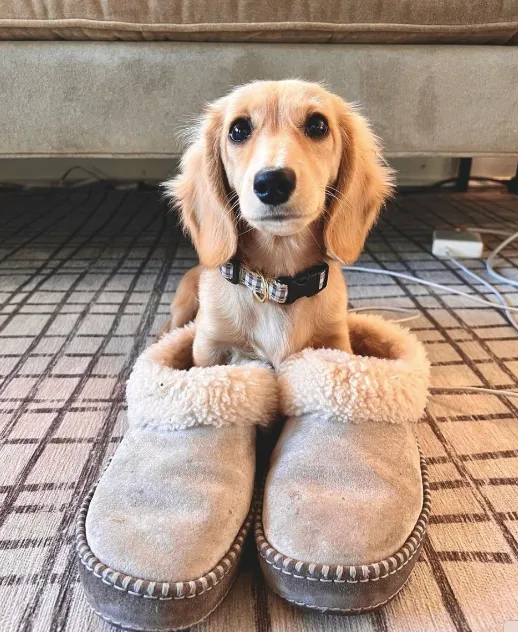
{"x": 385, "y": 308}
{"x": 407, "y": 319}
{"x": 438, "y": 286}
{"x": 475, "y": 389}
{"x": 508, "y": 309}
{"x": 478, "y": 278}
{"x": 514, "y": 323}
{"x": 489, "y": 231}
{"x": 492, "y": 257}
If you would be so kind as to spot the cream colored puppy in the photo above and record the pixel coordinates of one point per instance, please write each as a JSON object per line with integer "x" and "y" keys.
{"x": 281, "y": 179}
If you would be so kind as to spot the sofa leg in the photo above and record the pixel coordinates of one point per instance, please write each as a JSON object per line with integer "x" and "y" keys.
{"x": 512, "y": 184}
{"x": 463, "y": 175}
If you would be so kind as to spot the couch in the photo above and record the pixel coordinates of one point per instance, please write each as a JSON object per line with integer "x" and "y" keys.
{"x": 119, "y": 78}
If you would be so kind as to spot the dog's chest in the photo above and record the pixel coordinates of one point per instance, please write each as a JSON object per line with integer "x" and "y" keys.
{"x": 272, "y": 335}
{"x": 265, "y": 330}
{"x": 268, "y": 331}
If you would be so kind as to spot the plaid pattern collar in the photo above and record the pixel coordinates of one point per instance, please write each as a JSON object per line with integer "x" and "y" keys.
{"x": 285, "y": 289}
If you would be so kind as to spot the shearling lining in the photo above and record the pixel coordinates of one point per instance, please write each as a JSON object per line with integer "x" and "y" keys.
{"x": 385, "y": 380}
{"x": 166, "y": 391}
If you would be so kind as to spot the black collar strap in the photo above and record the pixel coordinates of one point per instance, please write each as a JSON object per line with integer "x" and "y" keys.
{"x": 284, "y": 289}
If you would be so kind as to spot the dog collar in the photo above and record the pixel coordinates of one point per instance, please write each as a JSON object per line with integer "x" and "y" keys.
{"x": 283, "y": 289}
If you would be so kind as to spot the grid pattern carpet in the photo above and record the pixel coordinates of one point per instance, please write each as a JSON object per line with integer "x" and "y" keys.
{"x": 86, "y": 277}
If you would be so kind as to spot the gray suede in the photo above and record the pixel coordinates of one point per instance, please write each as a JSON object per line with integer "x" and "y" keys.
{"x": 126, "y": 99}
{"x": 171, "y": 503}
{"x": 342, "y": 493}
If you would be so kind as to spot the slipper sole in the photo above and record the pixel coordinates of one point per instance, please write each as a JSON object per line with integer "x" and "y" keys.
{"x": 342, "y": 589}
{"x": 142, "y": 605}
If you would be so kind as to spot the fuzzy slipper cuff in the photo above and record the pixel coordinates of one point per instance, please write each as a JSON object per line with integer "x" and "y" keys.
{"x": 386, "y": 379}
{"x": 166, "y": 391}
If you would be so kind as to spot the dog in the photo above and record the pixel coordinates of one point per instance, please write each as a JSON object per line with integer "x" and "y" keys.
{"x": 280, "y": 185}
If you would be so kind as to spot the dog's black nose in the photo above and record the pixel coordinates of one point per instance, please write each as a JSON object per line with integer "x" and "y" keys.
{"x": 274, "y": 186}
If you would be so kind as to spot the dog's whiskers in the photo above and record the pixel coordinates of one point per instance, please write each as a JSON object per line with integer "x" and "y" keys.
{"x": 334, "y": 193}
{"x": 246, "y": 231}
{"x": 316, "y": 241}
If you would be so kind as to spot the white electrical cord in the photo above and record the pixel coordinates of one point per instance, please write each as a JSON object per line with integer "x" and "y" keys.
{"x": 489, "y": 231}
{"x": 437, "y": 390}
{"x": 385, "y": 308}
{"x": 480, "y": 279}
{"x": 437, "y": 286}
{"x": 504, "y": 305}
{"x": 490, "y": 261}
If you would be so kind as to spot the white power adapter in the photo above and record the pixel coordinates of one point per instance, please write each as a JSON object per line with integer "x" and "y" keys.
{"x": 457, "y": 243}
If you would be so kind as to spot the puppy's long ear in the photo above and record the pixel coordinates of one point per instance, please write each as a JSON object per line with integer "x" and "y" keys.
{"x": 363, "y": 184}
{"x": 200, "y": 193}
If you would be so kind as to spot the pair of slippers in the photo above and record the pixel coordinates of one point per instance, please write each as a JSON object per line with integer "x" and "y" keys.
{"x": 338, "y": 520}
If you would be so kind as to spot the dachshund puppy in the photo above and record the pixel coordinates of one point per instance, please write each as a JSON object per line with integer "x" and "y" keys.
{"x": 280, "y": 185}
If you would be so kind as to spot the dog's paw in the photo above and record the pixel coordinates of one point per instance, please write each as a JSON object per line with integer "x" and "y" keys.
{"x": 241, "y": 358}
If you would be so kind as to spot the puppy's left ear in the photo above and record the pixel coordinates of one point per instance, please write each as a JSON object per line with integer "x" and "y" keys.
{"x": 363, "y": 184}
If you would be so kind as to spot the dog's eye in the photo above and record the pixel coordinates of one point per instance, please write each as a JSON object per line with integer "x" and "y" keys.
{"x": 240, "y": 130}
{"x": 316, "y": 126}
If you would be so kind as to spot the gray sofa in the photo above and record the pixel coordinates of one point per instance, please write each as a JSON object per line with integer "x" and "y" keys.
{"x": 90, "y": 78}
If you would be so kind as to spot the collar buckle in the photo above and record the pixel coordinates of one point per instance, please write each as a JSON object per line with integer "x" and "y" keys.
{"x": 236, "y": 271}
{"x": 306, "y": 283}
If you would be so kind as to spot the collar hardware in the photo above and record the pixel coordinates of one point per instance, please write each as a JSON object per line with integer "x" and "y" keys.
{"x": 284, "y": 289}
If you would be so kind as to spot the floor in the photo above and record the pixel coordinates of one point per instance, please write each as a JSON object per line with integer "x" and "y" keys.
{"x": 86, "y": 276}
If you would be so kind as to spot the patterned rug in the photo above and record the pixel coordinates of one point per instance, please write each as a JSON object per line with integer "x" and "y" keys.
{"x": 86, "y": 277}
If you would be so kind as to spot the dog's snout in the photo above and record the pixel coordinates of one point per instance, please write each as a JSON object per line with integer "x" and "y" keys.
{"x": 274, "y": 186}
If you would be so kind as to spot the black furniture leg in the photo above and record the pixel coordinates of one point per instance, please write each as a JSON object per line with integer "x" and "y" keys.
{"x": 463, "y": 174}
{"x": 512, "y": 184}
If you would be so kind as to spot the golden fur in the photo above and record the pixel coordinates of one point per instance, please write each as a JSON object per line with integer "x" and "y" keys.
{"x": 342, "y": 182}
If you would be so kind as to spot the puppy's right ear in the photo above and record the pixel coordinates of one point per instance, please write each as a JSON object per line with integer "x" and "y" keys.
{"x": 199, "y": 191}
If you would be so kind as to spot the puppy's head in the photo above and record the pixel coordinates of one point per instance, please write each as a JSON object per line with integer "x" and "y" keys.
{"x": 280, "y": 155}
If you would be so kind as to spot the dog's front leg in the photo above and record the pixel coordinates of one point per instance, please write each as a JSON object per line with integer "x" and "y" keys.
{"x": 337, "y": 339}
{"x": 208, "y": 352}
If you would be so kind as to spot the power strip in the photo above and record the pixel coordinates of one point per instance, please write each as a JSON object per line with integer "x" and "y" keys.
{"x": 457, "y": 243}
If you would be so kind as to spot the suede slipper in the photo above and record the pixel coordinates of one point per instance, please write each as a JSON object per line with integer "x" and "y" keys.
{"x": 341, "y": 519}
{"x": 160, "y": 537}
